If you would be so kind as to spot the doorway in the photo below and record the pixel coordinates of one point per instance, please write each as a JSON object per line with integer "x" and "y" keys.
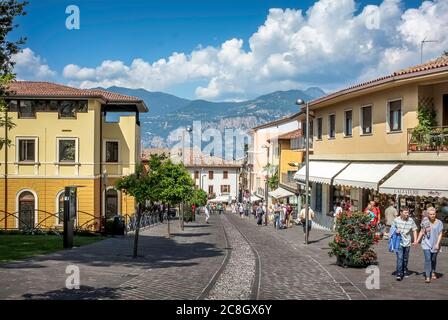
{"x": 26, "y": 210}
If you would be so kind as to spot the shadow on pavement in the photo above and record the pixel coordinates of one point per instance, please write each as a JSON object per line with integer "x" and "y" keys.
{"x": 83, "y": 293}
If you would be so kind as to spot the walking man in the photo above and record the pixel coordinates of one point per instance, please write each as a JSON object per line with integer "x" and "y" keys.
{"x": 406, "y": 227}
{"x": 302, "y": 216}
{"x": 390, "y": 214}
{"x": 207, "y": 213}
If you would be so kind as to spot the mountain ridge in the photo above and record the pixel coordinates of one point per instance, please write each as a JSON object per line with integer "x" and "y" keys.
{"x": 168, "y": 112}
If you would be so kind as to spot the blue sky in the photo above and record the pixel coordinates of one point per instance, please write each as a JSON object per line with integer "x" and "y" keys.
{"x": 122, "y": 31}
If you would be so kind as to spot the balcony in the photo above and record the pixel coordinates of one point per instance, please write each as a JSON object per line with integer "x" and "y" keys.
{"x": 300, "y": 143}
{"x": 288, "y": 180}
{"x": 433, "y": 140}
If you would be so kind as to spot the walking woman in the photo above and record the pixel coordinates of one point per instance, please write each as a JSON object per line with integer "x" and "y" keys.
{"x": 431, "y": 237}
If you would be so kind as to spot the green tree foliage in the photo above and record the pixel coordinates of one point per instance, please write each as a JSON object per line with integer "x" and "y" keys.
{"x": 9, "y": 10}
{"x": 354, "y": 239}
{"x": 198, "y": 198}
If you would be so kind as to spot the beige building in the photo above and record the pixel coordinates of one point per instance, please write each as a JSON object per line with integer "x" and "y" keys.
{"x": 65, "y": 136}
{"x": 366, "y": 146}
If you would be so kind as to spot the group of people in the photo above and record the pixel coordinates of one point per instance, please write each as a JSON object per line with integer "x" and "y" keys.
{"x": 403, "y": 235}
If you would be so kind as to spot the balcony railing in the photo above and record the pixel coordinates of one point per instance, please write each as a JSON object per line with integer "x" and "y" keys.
{"x": 432, "y": 140}
{"x": 288, "y": 180}
{"x": 300, "y": 143}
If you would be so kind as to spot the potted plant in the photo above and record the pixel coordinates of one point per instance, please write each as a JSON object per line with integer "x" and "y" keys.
{"x": 354, "y": 239}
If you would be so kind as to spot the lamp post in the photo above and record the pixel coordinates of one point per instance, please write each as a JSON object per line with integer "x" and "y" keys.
{"x": 301, "y": 102}
{"x": 266, "y": 191}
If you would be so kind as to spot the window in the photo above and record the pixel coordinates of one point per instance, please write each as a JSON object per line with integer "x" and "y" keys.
{"x": 210, "y": 175}
{"x": 319, "y": 197}
{"x": 67, "y": 109}
{"x": 112, "y": 148}
{"x": 196, "y": 174}
{"x": 295, "y": 143}
{"x": 26, "y": 210}
{"x": 67, "y": 150}
{"x": 210, "y": 189}
{"x": 332, "y": 126}
{"x": 319, "y": 128}
{"x": 394, "y": 114}
{"x": 366, "y": 120}
{"x": 27, "y": 150}
{"x": 27, "y": 109}
{"x": 225, "y": 175}
{"x": 225, "y": 189}
{"x": 348, "y": 123}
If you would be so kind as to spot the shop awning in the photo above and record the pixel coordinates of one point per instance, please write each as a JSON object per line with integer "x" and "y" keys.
{"x": 280, "y": 193}
{"x": 321, "y": 171}
{"x": 364, "y": 175}
{"x": 418, "y": 180}
{"x": 222, "y": 198}
{"x": 254, "y": 198}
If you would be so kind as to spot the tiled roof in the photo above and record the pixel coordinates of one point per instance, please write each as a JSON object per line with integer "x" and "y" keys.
{"x": 436, "y": 65}
{"x": 291, "y": 135}
{"x": 48, "y": 89}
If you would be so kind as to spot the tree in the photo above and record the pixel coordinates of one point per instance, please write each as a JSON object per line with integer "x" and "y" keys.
{"x": 174, "y": 184}
{"x": 138, "y": 186}
{"x": 198, "y": 199}
{"x": 9, "y": 10}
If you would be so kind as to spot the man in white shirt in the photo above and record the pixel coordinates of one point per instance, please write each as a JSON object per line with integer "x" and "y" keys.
{"x": 302, "y": 216}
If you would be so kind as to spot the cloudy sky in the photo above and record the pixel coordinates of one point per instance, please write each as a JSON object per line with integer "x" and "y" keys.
{"x": 227, "y": 49}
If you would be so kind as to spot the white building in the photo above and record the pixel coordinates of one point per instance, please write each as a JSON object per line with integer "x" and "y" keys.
{"x": 220, "y": 181}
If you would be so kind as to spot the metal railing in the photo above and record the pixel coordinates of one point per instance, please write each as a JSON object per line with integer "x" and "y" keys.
{"x": 288, "y": 179}
{"x": 434, "y": 139}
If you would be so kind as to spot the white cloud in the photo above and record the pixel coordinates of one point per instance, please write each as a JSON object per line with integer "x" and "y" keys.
{"x": 330, "y": 45}
{"x": 29, "y": 66}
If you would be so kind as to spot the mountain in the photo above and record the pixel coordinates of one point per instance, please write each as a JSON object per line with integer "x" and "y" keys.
{"x": 161, "y": 103}
{"x": 168, "y": 112}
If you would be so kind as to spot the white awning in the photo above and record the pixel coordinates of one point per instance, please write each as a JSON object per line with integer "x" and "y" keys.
{"x": 222, "y": 198}
{"x": 254, "y": 198}
{"x": 321, "y": 171}
{"x": 364, "y": 175}
{"x": 280, "y": 193}
{"x": 418, "y": 180}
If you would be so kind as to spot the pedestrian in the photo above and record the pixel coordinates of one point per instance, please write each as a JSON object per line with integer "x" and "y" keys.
{"x": 260, "y": 212}
{"x": 406, "y": 227}
{"x": 390, "y": 214}
{"x": 337, "y": 212}
{"x": 302, "y": 216}
{"x": 431, "y": 236}
{"x": 207, "y": 213}
{"x": 288, "y": 215}
{"x": 241, "y": 209}
{"x": 277, "y": 210}
{"x": 377, "y": 212}
{"x": 369, "y": 211}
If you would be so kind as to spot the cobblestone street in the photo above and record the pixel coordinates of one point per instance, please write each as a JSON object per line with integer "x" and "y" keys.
{"x": 230, "y": 258}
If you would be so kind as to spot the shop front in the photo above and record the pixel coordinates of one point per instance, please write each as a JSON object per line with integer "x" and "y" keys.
{"x": 321, "y": 175}
{"x": 419, "y": 187}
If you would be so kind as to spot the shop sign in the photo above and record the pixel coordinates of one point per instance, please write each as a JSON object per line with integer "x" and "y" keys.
{"x": 408, "y": 192}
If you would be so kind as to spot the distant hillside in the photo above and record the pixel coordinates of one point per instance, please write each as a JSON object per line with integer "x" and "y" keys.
{"x": 168, "y": 112}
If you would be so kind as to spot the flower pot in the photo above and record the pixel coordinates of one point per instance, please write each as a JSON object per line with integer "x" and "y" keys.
{"x": 413, "y": 147}
{"x": 348, "y": 263}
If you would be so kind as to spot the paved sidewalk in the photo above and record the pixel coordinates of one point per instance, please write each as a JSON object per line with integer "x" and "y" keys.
{"x": 352, "y": 279}
{"x": 176, "y": 268}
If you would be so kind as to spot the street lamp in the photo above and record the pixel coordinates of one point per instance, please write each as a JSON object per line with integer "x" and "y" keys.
{"x": 301, "y": 102}
{"x": 266, "y": 194}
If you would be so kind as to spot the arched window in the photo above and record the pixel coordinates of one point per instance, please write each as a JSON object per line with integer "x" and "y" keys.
{"x": 27, "y": 209}
{"x": 111, "y": 201}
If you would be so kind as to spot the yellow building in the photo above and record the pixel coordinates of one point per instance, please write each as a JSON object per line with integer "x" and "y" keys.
{"x": 66, "y": 136}
{"x": 365, "y": 146}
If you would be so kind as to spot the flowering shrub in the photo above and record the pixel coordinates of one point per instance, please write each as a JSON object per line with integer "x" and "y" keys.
{"x": 354, "y": 239}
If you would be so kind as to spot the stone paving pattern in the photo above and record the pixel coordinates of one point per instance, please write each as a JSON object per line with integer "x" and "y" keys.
{"x": 182, "y": 267}
{"x": 176, "y": 268}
